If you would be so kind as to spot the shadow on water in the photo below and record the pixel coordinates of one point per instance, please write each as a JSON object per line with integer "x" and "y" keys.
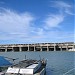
{"x": 49, "y": 71}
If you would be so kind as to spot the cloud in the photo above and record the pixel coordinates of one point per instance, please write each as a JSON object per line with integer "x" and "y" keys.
{"x": 18, "y": 26}
{"x": 54, "y": 20}
{"x": 68, "y": 11}
{"x": 63, "y": 7}
{"x": 62, "y": 4}
{"x": 15, "y": 23}
{"x": 53, "y": 36}
{"x": 21, "y": 28}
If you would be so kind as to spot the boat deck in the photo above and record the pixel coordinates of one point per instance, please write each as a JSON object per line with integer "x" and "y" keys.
{"x": 25, "y": 63}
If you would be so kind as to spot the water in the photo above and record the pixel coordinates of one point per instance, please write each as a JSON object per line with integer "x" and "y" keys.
{"x": 4, "y": 62}
{"x": 58, "y": 63}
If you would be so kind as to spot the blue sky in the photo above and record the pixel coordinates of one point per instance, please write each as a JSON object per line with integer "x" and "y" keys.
{"x": 36, "y": 21}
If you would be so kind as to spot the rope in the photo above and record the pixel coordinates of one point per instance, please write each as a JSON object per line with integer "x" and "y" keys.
{"x": 68, "y": 71}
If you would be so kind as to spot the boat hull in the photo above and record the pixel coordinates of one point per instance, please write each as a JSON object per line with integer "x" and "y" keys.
{"x": 42, "y": 72}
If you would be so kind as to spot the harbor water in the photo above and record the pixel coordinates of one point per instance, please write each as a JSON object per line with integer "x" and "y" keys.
{"x": 58, "y": 63}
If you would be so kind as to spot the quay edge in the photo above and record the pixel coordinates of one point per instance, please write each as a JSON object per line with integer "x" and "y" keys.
{"x": 66, "y": 46}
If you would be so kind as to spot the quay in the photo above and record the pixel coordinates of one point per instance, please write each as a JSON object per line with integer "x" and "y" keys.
{"x": 66, "y": 46}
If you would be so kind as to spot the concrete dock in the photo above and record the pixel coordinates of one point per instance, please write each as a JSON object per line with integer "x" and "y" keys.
{"x": 66, "y": 46}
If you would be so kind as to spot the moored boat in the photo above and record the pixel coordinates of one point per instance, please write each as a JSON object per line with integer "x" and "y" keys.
{"x": 28, "y": 67}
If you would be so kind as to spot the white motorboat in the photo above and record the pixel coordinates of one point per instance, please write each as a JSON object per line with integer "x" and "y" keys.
{"x": 28, "y": 67}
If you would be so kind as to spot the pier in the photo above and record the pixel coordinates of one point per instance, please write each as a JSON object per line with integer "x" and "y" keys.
{"x": 66, "y": 46}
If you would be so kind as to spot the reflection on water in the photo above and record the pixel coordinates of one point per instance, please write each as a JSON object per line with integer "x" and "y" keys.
{"x": 58, "y": 63}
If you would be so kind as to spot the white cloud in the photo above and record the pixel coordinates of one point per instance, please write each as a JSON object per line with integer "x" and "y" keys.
{"x": 39, "y": 31}
{"x": 15, "y": 23}
{"x": 63, "y": 7}
{"x": 61, "y": 4}
{"x": 19, "y": 27}
{"x": 53, "y": 36}
{"x": 53, "y": 20}
{"x": 68, "y": 11}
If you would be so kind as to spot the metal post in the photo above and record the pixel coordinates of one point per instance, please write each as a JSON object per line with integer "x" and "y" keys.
{"x": 54, "y": 47}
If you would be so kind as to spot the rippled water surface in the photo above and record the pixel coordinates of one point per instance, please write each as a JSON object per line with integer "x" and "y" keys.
{"x": 58, "y": 63}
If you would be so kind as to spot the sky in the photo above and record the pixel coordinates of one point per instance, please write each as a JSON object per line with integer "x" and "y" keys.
{"x": 36, "y": 21}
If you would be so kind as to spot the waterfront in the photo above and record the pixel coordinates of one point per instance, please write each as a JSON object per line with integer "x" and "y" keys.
{"x": 66, "y": 46}
{"x": 58, "y": 63}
